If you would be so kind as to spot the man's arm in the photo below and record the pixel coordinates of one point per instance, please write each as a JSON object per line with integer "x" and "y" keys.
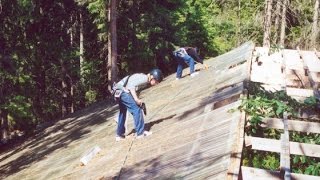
{"x": 135, "y": 97}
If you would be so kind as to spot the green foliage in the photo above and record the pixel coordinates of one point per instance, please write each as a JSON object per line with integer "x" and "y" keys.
{"x": 91, "y": 96}
{"x": 21, "y": 116}
{"x": 313, "y": 169}
{"x": 262, "y": 103}
{"x": 272, "y": 133}
{"x": 97, "y": 8}
{"x": 271, "y": 161}
{"x": 305, "y": 165}
{"x": 311, "y": 101}
{"x": 309, "y": 138}
{"x": 262, "y": 160}
{"x": 20, "y": 107}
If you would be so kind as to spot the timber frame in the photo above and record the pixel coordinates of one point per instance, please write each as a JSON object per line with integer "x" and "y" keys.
{"x": 296, "y": 72}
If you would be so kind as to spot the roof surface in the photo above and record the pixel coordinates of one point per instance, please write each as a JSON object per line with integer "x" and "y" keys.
{"x": 193, "y": 132}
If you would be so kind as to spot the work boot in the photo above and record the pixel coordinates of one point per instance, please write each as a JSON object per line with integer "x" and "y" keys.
{"x": 194, "y": 74}
{"x": 120, "y": 138}
{"x": 144, "y": 134}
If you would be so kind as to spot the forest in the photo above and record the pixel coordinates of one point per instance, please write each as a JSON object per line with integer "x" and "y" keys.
{"x": 57, "y": 57}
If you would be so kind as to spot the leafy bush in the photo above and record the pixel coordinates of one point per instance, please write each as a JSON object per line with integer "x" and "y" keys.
{"x": 262, "y": 103}
{"x": 91, "y": 96}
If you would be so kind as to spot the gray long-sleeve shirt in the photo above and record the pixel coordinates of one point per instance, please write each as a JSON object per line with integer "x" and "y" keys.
{"x": 136, "y": 82}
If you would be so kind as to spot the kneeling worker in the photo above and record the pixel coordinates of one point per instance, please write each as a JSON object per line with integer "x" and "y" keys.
{"x": 128, "y": 100}
{"x": 182, "y": 57}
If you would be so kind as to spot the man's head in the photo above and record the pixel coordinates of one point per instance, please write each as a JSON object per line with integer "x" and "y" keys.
{"x": 155, "y": 76}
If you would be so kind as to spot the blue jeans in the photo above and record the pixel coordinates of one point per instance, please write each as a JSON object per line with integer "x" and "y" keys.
{"x": 127, "y": 102}
{"x": 181, "y": 60}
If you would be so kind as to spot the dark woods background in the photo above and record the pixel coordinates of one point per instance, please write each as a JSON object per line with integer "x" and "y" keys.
{"x": 54, "y": 54}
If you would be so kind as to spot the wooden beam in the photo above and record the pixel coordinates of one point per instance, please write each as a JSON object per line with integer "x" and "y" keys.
{"x": 272, "y": 145}
{"x": 292, "y": 59}
{"x": 249, "y": 173}
{"x": 311, "y": 60}
{"x": 299, "y": 92}
{"x": 293, "y": 125}
{"x": 237, "y": 147}
{"x": 266, "y": 69}
{"x": 249, "y": 66}
{"x": 313, "y": 69}
{"x": 317, "y": 53}
{"x": 314, "y": 84}
{"x": 285, "y": 157}
{"x": 261, "y": 51}
{"x": 285, "y": 150}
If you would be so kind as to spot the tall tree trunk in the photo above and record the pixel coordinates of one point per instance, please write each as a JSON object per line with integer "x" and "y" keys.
{"x": 64, "y": 91}
{"x": 276, "y": 22}
{"x": 40, "y": 81}
{"x": 72, "y": 88}
{"x": 267, "y": 23}
{"x": 81, "y": 47}
{"x": 64, "y": 82}
{"x": 112, "y": 44}
{"x": 135, "y": 48}
{"x": 71, "y": 32}
{"x": 283, "y": 22}
{"x": 239, "y": 24}
{"x": 4, "y": 125}
{"x": 39, "y": 72}
{"x": 314, "y": 34}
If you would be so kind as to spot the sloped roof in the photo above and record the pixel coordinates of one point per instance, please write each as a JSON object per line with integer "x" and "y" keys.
{"x": 193, "y": 132}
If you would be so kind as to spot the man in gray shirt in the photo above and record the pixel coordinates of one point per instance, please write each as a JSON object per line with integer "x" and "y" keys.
{"x": 129, "y": 101}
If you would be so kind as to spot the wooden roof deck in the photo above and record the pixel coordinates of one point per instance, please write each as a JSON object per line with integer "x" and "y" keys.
{"x": 193, "y": 132}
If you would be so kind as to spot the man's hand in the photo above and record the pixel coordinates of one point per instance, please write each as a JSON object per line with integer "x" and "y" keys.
{"x": 144, "y": 108}
{"x": 139, "y": 102}
{"x": 135, "y": 97}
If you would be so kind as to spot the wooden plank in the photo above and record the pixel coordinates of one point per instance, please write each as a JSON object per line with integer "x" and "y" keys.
{"x": 299, "y": 92}
{"x": 267, "y": 69}
{"x": 233, "y": 57}
{"x": 311, "y": 60}
{"x": 284, "y": 74}
{"x": 272, "y": 145}
{"x": 285, "y": 150}
{"x": 285, "y": 157}
{"x": 313, "y": 68}
{"x": 225, "y": 93}
{"x": 314, "y": 76}
{"x": 260, "y": 74}
{"x": 293, "y": 125}
{"x": 297, "y": 78}
{"x": 292, "y": 59}
{"x": 314, "y": 84}
{"x": 236, "y": 151}
{"x": 249, "y": 173}
{"x": 272, "y": 88}
{"x": 249, "y": 66}
{"x": 317, "y": 53}
{"x": 261, "y": 51}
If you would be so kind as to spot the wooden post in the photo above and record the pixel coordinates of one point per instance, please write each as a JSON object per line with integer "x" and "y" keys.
{"x": 285, "y": 151}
